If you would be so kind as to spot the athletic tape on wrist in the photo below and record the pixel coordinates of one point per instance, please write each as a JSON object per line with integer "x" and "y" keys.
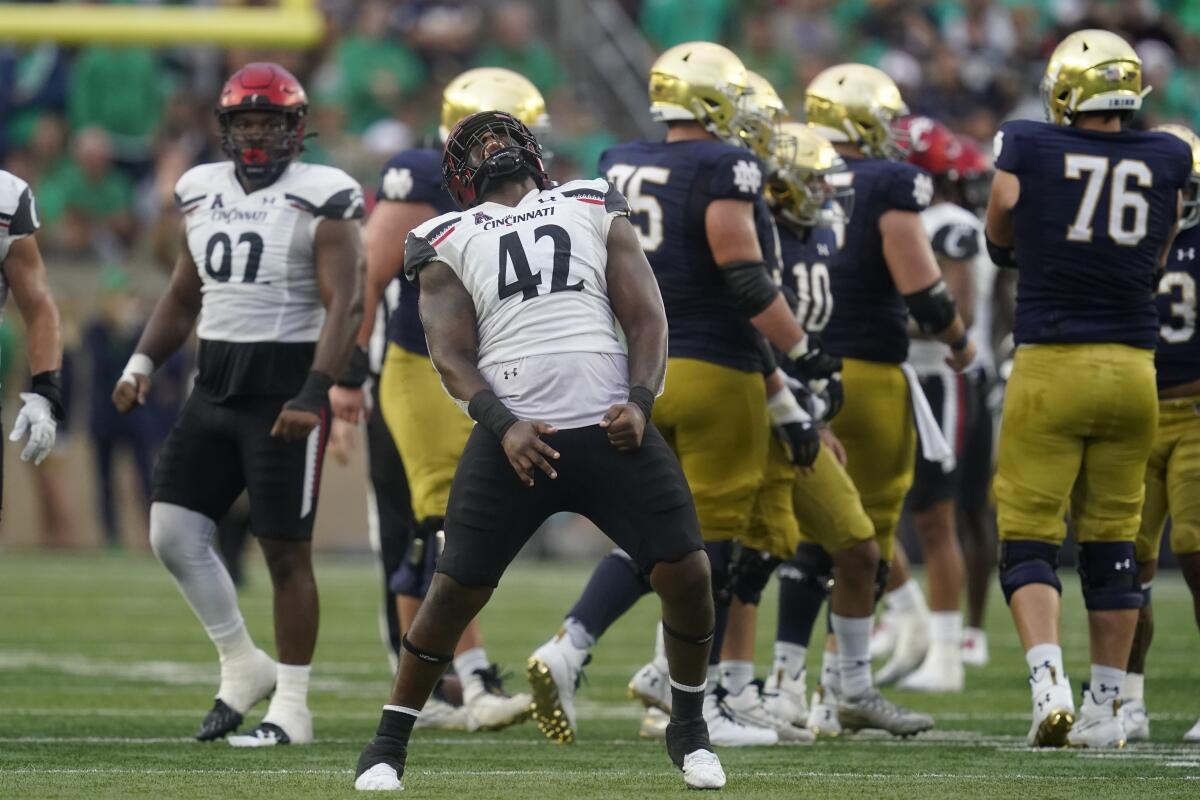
{"x": 138, "y": 364}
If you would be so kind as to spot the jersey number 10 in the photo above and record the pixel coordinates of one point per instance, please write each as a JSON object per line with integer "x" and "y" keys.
{"x": 1128, "y": 210}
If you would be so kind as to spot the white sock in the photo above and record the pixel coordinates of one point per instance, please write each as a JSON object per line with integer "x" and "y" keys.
{"x": 1106, "y": 682}
{"x": 1134, "y": 686}
{"x": 974, "y": 633}
{"x": 736, "y": 675}
{"x": 1040, "y": 657}
{"x": 469, "y": 661}
{"x": 789, "y": 659}
{"x": 291, "y": 689}
{"x": 580, "y": 638}
{"x": 907, "y": 597}
{"x": 234, "y": 645}
{"x": 854, "y": 653}
{"x": 946, "y": 626}
{"x": 660, "y": 649}
{"x": 713, "y": 679}
{"x": 831, "y": 675}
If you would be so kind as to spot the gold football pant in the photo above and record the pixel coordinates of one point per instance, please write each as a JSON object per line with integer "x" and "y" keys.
{"x": 429, "y": 428}
{"x": 1078, "y": 424}
{"x": 876, "y": 428}
{"x": 1173, "y": 481}
{"x": 715, "y": 419}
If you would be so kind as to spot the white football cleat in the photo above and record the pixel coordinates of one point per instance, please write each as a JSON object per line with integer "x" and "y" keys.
{"x": 1053, "y": 709}
{"x": 702, "y": 770}
{"x": 379, "y": 778}
{"x": 823, "y": 713}
{"x": 749, "y": 708}
{"x": 975, "y": 648}
{"x": 724, "y": 730}
{"x": 912, "y": 643}
{"x": 293, "y": 726}
{"x": 1098, "y": 724}
{"x": 1136, "y": 720}
{"x": 883, "y": 635}
{"x": 872, "y": 710}
{"x": 489, "y": 707}
{"x": 785, "y": 696}
{"x": 654, "y": 724}
{"x": 1193, "y": 735}
{"x": 941, "y": 672}
{"x": 553, "y": 671}
{"x": 652, "y": 686}
{"x": 439, "y": 715}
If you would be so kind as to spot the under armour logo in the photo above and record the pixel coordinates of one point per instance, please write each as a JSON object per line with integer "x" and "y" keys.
{"x": 1122, "y": 565}
{"x": 269, "y": 200}
{"x": 747, "y": 177}
{"x": 822, "y": 249}
{"x": 507, "y": 374}
{"x": 1186, "y": 255}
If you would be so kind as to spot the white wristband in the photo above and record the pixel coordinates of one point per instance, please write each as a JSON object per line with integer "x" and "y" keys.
{"x": 784, "y": 408}
{"x": 139, "y": 364}
{"x": 799, "y": 349}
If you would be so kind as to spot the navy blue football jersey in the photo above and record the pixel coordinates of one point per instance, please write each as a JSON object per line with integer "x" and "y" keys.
{"x": 1178, "y": 357}
{"x": 869, "y": 321}
{"x": 1094, "y": 211}
{"x": 412, "y": 176}
{"x": 669, "y": 186}
{"x": 805, "y": 257}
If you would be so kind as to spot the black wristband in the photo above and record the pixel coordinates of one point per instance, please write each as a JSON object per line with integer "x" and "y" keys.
{"x": 1001, "y": 256}
{"x": 643, "y": 398}
{"x": 49, "y": 385}
{"x": 487, "y": 409}
{"x": 314, "y": 394}
{"x": 357, "y": 369}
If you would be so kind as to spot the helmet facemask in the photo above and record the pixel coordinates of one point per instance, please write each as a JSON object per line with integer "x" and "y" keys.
{"x": 261, "y": 143}
{"x": 488, "y": 147}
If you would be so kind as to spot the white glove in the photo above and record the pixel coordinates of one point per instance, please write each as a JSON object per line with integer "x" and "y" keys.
{"x": 37, "y": 419}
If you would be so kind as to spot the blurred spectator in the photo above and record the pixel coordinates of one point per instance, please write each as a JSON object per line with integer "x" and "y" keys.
{"x": 375, "y": 70}
{"x": 513, "y": 43}
{"x": 109, "y": 340}
{"x": 667, "y": 23}
{"x": 32, "y": 82}
{"x": 89, "y": 199}
{"x": 121, "y": 90}
{"x": 761, "y": 52}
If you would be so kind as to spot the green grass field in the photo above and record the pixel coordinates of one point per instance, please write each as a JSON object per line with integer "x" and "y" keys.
{"x": 104, "y": 674}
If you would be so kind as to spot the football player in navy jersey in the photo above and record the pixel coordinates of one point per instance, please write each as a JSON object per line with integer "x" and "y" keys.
{"x": 1085, "y": 212}
{"x": 429, "y": 431}
{"x": 692, "y": 198}
{"x": 1173, "y": 471}
{"x": 884, "y": 272}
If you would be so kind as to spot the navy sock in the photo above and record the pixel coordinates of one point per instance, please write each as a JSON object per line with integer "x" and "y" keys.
{"x": 799, "y": 606}
{"x": 616, "y": 584}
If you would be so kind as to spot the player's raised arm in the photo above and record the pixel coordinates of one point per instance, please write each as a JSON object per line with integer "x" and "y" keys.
{"x": 169, "y": 326}
{"x": 338, "y": 256}
{"x": 638, "y": 305}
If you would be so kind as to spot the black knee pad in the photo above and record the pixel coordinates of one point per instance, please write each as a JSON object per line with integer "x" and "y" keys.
{"x": 751, "y": 571}
{"x": 420, "y": 559}
{"x": 1023, "y": 562}
{"x": 721, "y": 558}
{"x": 810, "y": 566}
{"x": 1108, "y": 573}
{"x": 882, "y": 570}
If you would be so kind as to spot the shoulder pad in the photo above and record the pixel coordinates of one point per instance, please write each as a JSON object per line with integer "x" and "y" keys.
{"x": 329, "y": 193}
{"x": 421, "y": 245}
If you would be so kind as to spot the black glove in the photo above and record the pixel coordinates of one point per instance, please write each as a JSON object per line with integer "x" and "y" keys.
{"x": 834, "y": 396}
{"x": 811, "y": 364}
{"x": 795, "y": 428}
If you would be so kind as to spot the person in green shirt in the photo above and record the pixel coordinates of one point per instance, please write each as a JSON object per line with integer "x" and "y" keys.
{"x": 670, "y": 22}
{"x": 376, "y": 71}
{"x": 514, "y": 44}
{"x": 122, "y": 90}
{"x": 87, "y": 200}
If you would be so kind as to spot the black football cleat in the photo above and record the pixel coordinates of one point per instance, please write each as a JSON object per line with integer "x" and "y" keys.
{"x": 217, "y": 722}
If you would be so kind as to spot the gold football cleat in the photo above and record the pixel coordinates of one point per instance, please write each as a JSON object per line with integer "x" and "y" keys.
{"x": 546, "y": 709}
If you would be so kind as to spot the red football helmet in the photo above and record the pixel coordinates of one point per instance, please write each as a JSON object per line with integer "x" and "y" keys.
{"x": 488, "y": 146}
{"x": 973, "y": 170}
{"x": 261, "y": 153}
{"x": 934, "y": 147}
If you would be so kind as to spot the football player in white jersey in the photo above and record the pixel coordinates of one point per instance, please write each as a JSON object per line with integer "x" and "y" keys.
{"x": 271, "y": 267}
{"x": 24, "y": 274}
{"x": 563, "y": 407}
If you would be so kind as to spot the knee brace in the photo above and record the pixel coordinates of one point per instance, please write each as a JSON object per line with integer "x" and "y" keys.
{"x": 811, "y": 566}
{"x": 420, "y": 559}
{"x": 721, "y": 560}
{"x": 1023, "y": 562}
{"x": 751, "y": 571}
{"x": 881, "y": 578}
{"x": 1108, "y": 573}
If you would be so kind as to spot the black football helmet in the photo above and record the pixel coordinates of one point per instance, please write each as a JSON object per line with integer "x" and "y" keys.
{"x": 486, "y": 147}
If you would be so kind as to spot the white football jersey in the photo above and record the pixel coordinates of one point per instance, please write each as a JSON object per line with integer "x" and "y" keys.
{"x": 537, "y": 273}
{"x": 956, "y": 233}
{"x": 254, "y": 252}
{"x": 18, "y": 219}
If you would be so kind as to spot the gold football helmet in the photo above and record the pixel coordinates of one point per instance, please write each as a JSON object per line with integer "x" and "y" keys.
{"x": 699, "y": 81}
{"x": 492, "y": 89}
{"x": 1191, "y": 197}
{"x": 856, "y": 104}
{"x": 1092, "y": 70}
{"x": 799, "y": 187}
{"x": 762, "y": 113}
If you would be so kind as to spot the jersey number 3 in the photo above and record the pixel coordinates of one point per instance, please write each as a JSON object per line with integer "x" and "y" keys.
{"x": 1128, "y": 210}
{"x": 1183, "y": 310}
{"x": 526, "y": 283}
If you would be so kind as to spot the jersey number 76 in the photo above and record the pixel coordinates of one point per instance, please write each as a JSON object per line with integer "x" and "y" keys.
{"x": 1128, "y": 210}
